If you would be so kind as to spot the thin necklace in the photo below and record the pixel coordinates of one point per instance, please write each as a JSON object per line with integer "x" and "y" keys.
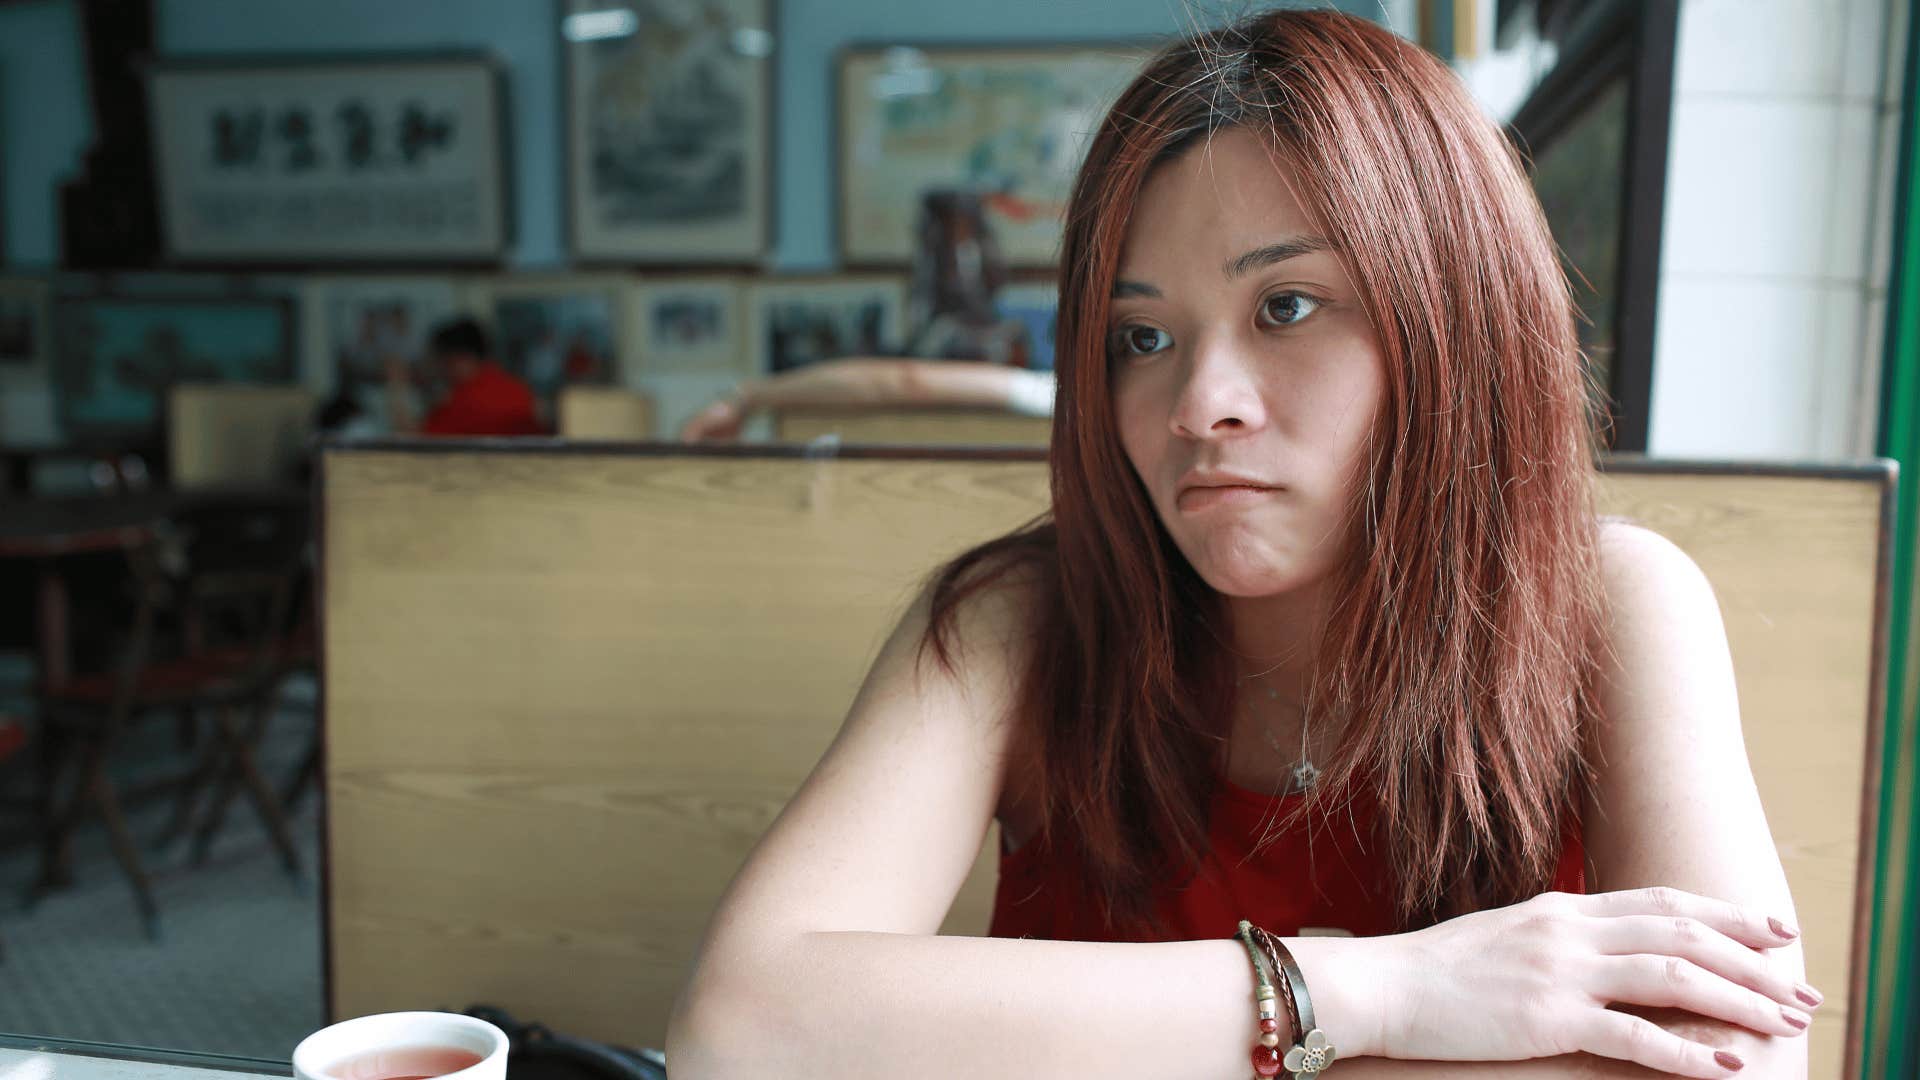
{"x": 1305, "y": 772}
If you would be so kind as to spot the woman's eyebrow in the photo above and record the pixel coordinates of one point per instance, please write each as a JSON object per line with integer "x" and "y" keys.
{"x": 1273, "y": 253}
{"x": 1238, "y": 265}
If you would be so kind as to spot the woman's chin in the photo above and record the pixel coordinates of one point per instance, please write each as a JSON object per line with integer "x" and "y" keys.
{"x": 1245, "y": 581}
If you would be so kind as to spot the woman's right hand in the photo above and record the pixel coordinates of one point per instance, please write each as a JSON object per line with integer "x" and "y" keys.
{"x": 1536, "y": 979}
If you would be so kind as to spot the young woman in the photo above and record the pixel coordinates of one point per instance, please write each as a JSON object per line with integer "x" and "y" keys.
{"x": 1323, "y": 634}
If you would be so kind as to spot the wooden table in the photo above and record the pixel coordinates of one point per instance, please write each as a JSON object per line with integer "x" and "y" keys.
{"x": 45, "y": 530}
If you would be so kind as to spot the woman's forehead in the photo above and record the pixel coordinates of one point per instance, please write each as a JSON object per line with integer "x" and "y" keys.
{"x": 1228, "y": 193}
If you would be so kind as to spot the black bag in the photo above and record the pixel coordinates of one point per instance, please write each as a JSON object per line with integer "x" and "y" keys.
{"x": 535, "y": 1053}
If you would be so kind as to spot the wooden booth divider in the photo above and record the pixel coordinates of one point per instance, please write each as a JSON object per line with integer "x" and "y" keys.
{"x": 566, "y": 688}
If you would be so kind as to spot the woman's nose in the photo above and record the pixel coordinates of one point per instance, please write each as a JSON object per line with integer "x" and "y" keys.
{"x": 1219, "y": 394}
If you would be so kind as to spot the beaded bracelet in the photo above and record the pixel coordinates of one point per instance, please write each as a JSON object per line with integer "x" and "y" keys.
{"x": 1266, "y": 1052}
{"x": 1312, "y": 1052}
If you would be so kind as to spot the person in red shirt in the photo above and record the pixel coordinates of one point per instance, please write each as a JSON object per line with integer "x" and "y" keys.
{"x": 481, "y": 396}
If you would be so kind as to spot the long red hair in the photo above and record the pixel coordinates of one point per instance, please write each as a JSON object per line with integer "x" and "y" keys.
{"x": 1461, "y": 648}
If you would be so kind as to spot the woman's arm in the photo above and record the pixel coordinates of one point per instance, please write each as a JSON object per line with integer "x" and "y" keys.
{"x": 1675, "y": 802}
{"x": 823, "y": 961}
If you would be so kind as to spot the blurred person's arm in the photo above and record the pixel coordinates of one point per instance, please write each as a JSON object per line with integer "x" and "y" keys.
{"x": 876, "y": 382}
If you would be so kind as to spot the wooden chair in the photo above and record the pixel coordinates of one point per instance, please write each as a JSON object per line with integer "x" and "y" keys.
{"x": 224, "y": 659}
{"x": 235, "y": 435}
{"x": 605, "y": 413}
{"x": 566, "y": 692}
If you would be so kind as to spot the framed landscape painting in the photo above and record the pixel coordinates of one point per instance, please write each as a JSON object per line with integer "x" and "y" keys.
{"x": 1008, "y": 124}
{"x": 668, "y": 136}
{"x": 119, "y": 356}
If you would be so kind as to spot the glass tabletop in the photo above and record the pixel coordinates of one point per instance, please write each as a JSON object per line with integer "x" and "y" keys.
{"x": 25, "y": 1057}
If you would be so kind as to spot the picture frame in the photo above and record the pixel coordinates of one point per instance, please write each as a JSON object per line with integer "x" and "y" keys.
{"x": 793, "y": 322}
{"x": 1010, "y": 123}
{"x": 669, "y": 127}
{"x": 25, "y": 327}
{"x": 690, "y": 325}
{"x": 290, "y": 160}
{"x": 554, "y": 331}
{"x": 350, "y": 325}
{"x": 118, "y": 355}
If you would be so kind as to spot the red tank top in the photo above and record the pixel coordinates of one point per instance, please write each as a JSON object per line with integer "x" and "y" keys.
{"x": 1339, "y": 887}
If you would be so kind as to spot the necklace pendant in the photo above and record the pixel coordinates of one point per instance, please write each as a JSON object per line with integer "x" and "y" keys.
{"x": 1305, "y": 775}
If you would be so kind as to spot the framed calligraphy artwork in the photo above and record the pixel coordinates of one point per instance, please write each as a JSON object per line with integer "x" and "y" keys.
{"x": 356, "y": 160}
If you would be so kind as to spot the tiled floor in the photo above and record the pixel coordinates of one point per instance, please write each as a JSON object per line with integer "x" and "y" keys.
{"x": 237, "y": 969}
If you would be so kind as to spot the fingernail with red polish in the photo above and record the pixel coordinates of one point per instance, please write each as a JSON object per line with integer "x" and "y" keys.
{"x": 1799, "y": 1022}
{"x": 1809, "y": 995}
{"x": 1728, "y": 1061}
{"x": 1782, "y": 929}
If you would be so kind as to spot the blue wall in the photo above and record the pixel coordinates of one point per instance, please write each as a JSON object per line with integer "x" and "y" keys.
{"x": 45, "y": 125}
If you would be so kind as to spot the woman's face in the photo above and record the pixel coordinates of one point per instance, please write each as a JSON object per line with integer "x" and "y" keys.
{"x": 1245, "y": 375}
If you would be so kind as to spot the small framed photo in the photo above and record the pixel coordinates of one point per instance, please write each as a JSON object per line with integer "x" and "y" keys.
{"x": 799, "y": 321}
{"x": 1034, "y": 305}
{"x": 25, "y": 325}
{"x": 559, "y": 331}
{"x": 353, "y": 325}
{"x": 1008, "y": 124}
{"x": 690, "y": 326}
{"x": 120, "y": 355}
{"x": 307, "y": 158}
{"x": 668, "y": 136}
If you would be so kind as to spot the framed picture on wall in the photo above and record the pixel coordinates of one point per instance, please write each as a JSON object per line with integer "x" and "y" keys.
{"x": 353, "y": 159}
{"x": 1010, "y": 124}
{"x": 118, "y": 356}
{"x": 24, "y": 325}
{"x": 690, "y": 325}
{"x": 669, "y": 146}
{"x": 558, "y": 331}
{"x": 352, "y": 325}
{"x": 799, "y": 321}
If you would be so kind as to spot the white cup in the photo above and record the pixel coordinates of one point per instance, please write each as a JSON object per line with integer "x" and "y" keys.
{"x": 404, "y": 1044}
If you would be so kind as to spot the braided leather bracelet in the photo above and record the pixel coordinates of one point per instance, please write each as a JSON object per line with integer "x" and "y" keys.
{"x": 1266, "y": 1053}
{"x": 1311, "y": 1052}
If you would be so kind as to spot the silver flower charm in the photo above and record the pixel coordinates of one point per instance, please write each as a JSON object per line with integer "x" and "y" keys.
{"x": 1312, "y": 1055}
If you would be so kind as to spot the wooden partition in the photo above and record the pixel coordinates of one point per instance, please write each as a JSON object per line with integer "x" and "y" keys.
{"x": 605, "y": 413}
{"x": 566, "y": 691}
{"x": 913, "y": 427}
{"x": 234, "y": 435}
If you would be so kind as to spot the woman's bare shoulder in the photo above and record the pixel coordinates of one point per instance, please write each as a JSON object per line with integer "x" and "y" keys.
{"x": 1633, "y": 555}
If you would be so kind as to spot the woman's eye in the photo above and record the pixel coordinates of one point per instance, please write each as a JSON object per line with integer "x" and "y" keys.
{"x": 1142, "y": 340}
{"x": 1287, "y": 308}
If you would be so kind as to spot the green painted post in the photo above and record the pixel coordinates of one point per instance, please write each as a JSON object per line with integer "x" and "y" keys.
{"x": 1892, "y": 1008}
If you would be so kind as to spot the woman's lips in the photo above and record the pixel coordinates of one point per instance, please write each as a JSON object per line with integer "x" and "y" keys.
{"x": 1195, "y": 499}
